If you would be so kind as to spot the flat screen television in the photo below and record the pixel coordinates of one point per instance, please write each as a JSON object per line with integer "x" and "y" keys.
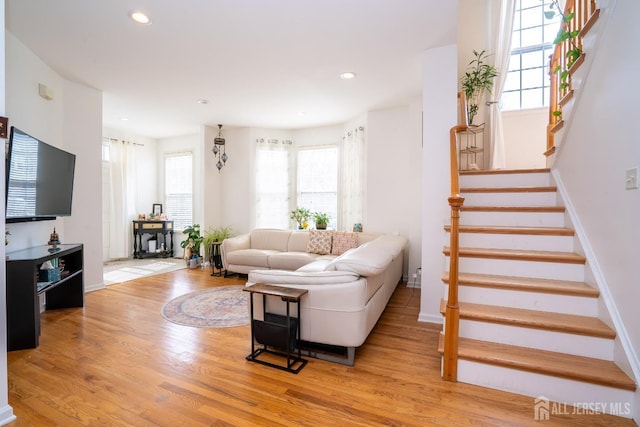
{"x": 39, "y": 179}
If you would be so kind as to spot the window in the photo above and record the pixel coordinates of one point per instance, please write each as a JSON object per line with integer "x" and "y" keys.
{"x": 273, "y": 166}
{"x": 317, "y": 181}
{"x": 527, "y": 81}
{"x": 281, "y": 185}
{"x": 106, "y": 150}
{"x": 178, "y": 188}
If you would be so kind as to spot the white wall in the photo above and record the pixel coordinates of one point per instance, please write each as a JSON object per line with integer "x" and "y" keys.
{"x": 394, "y": 170}
{"x": 599, "y": 145}
{"x": 525, "y": 134}
{"x": 439, "y": 115}
{"x": 83, "y": 136}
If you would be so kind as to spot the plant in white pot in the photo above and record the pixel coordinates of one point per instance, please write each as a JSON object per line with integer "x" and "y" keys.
{"x": 476, "y": 82}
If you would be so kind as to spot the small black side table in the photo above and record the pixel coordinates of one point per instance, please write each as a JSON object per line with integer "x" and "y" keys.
{"x": 277, "y": 331}
{"x": 217, "y": 268}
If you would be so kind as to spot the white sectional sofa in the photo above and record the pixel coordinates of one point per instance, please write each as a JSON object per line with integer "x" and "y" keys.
{"x": 347, "y": 292}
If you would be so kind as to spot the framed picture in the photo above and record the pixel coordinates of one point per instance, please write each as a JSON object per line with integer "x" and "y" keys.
{"x": 157, "y": 209}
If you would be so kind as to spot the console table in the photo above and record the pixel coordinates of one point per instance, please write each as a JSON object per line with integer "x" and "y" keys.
{"x": 152, "y": 227}
{"x": 25, "y": 283}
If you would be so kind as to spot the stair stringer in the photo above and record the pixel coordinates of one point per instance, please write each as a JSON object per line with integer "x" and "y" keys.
{"x": 624, "y": 355}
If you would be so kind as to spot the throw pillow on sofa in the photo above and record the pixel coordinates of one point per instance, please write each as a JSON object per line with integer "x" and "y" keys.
{"x": 342, "y": 241}
{"x": 319, "y": 242}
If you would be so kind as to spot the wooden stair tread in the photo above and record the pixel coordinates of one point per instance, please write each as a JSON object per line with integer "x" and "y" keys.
{"x": 543, "y": 189}
{"x": 546, "y": 320}
{"x": 535, "y": 231}
{"x": 526, "y": 284}
{"x": 504, "y": 171}
{"x": 579, "y": 368}
{"x": 471, "y": 208}
{"x": 520, "y": 255}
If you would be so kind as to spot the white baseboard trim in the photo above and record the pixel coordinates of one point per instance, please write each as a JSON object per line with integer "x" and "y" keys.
{"x": 430, "y": 318}
{"x": 601, "y": 281}
{"x": 6, "y": 415}
{"x": 95, "y": 287}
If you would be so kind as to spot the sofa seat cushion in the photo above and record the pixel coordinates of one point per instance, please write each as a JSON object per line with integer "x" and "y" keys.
{"x": 290, "y": 260}
{"x": 284, "y": 277}
{"x": 319, "y": 264}
{"x": 254, "y": 257}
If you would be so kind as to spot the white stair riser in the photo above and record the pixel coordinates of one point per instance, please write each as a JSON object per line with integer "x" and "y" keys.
{"x": 513, "y": 219}
{"x": 501, "y": 267}
{"x": 616, "y": 401}
{"x": 579, "y": 345}
{"x": 568, "y": 304}
{"x": 504, "y": 180}
{"x": 546, "y": 198}
{"x": 517, "y": 241}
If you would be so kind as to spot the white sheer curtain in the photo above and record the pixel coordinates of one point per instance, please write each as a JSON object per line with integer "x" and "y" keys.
{"x": 122, "y": 198}
{"x": 273, "y": 182}
{"x": 351, "y": 201}
{"x": 501, "y": 47}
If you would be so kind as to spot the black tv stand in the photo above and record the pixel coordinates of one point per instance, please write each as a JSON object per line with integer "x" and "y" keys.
{"x": 24, "y": 288}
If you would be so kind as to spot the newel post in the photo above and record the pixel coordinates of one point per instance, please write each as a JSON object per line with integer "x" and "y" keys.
{"x": 452, "y": 314}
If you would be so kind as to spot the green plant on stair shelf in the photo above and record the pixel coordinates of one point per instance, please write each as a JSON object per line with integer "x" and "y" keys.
{"x": 477, "y": 80}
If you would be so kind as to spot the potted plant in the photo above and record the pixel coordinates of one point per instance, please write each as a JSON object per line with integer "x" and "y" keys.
{"x": 213, "y": 235}
{"x": 321, "y": 219}
{"x": 477, "y": 80}
{"x": 301, "y": 216}
{"x": 191, "y": 244}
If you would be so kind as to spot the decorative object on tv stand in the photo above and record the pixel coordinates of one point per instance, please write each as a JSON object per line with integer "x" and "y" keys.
{"x": 219, "y": 149}
{"x": 54, "y": 241}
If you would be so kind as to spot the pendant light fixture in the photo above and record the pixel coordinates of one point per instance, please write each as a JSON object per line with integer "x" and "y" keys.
{"x": 219, "y": 149}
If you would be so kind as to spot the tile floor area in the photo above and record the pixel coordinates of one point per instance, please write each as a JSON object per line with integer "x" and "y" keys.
{"x": 128, "y": 269}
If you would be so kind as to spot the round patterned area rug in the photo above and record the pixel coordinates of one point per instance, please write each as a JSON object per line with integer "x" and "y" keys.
{"x": 221, "y": 307}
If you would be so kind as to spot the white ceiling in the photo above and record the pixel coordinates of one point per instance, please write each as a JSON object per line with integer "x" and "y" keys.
{"x": 258, "y": 62}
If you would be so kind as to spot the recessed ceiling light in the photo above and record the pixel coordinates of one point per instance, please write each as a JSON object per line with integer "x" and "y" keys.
{"x": 202, "y": 101}
{"x": 140, "y": 17}
{"x": 347, "y": 75}
{"x": 124, "y": 119}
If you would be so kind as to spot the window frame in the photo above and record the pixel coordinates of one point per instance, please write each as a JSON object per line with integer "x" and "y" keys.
{"x": 518, "y": 52}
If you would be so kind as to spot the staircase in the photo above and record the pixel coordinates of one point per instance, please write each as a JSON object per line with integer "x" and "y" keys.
{"x": 529, "y": 323}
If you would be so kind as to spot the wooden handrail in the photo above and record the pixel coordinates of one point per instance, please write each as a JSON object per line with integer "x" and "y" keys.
{"x": 585, "y": 13}
{"x": 452, "y": 313}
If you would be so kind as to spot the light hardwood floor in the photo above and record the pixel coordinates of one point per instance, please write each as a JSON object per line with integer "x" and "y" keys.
{"x": 117, "y": 362}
